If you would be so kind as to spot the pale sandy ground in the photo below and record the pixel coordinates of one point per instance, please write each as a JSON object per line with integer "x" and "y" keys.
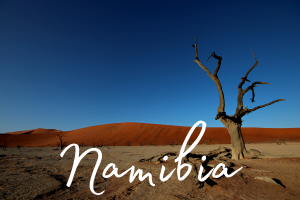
{"x": 40, "y": 173}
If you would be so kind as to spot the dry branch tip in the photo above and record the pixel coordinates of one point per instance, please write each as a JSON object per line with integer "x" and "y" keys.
{"x": 254, "y": 56}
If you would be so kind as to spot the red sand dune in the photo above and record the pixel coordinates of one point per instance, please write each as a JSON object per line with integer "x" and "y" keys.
{"x": 120, "y": 133}
{"x": 35, "y": 131}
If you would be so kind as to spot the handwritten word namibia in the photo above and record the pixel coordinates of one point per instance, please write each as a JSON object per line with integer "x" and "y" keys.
{"x": 139, "y": 172}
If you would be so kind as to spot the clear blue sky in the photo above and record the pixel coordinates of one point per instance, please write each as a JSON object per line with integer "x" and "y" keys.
{"x": 72, "y": 64}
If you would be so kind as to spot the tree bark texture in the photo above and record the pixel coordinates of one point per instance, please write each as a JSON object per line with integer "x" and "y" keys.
{"x": 237, "y": 142}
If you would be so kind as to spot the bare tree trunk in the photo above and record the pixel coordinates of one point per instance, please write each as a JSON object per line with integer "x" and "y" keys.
{"x": 237, "y": 141}
{"x": 61, "y": 141}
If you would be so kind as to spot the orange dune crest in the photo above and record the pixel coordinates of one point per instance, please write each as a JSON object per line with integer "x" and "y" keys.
{"x": 120, "y": 134}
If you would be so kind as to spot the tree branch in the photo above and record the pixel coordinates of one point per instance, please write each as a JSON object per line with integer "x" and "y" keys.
{"x": 195, "y": 46}
{"x": 254, "y": 84}
{"x": 243, "y": 79}
{"x": 240, "y": 105}
{"x": 253, "y": 95}
{"x": 219, "y": 58}
{"x": 215, "y": 78}
{"x": 247, "y": 111}
{"x": 199, "y": 63}
{"x": 239, "y": 109}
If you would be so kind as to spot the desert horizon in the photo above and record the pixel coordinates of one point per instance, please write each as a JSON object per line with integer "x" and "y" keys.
{"x": 139, "y": 134}
{"x": 269, "y": 170}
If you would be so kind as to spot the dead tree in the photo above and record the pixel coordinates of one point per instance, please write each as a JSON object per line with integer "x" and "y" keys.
{"x": 233, "y": 123}
{"x": 4, "y": 146}
{"x": 61, "y": 141}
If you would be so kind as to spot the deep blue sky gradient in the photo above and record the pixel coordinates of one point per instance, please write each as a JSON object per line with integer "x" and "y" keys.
{"x": 72, "y": 64}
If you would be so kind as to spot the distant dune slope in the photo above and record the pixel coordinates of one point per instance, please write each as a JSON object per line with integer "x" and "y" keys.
{"x": 34, "y": 131}
{"x": 142, "y": 133}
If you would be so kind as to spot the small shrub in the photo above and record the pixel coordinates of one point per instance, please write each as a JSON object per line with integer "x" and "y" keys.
{"x": 4, "y": 145}
{"x": 281, "y": 140}
{"x": 128, "y": 144}
{"x": 172, "y": 143}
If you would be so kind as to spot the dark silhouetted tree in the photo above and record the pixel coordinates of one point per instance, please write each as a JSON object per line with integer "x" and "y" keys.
{"x": 61, "y": 141}
{"x": 233, "y": 123}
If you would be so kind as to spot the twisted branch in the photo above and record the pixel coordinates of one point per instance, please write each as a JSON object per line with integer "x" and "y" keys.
{"x": 215, "y": 78}
{"x": 243, "y": 79}
{"x": 254, "y": 84}
{"x": 251, "y": 87}
{"x": 240, "y": 89}
{"x": 247, "y": 111}
{"x": 240, "y": 111}
{"x": 199, "y": 63}
{"x": 219, "y": 58}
